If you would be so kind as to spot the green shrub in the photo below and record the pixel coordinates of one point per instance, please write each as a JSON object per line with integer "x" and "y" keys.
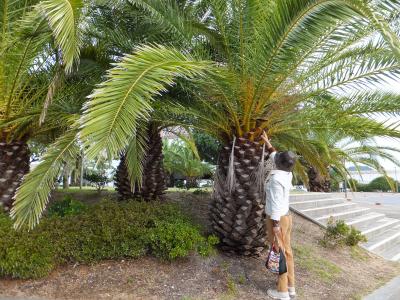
{"x": 108, "y": 230}
{"x": 378, "y": 184}
{"x": 339, "y": 233}
{"x": 382, "y": 184}
{"x": 354, "y": 237}
{"x": 98, "y": 179}
{"x": 23, "y": 254}
{"x": 66, "y": 207}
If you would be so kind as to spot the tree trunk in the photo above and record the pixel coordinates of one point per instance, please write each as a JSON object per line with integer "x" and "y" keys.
{"x": 122, "y": 182}
{"x": 81, "y": 170}
{"x": 14, "y": 164}
{"x": 169, "y": 180}
{"x": 74, "y": 177}
{"x": 238, "y": 216}
{"x": 153, "y": 184}
{"x": 65, "y": 178}
{"x": 153, "y": 178}
{"x": 318, "y": 182}
{"x": 191, "y": 182}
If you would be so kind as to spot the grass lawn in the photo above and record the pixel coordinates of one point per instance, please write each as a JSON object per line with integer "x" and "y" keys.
{"x": 76, "y": 189}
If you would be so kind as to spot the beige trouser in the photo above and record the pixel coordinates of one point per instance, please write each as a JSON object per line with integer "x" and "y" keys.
{"x": 286, "y": 279}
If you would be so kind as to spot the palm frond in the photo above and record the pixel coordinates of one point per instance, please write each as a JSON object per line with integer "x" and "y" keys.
{"x": 135, "y": 155}
{"x": 63, "y": 16}
{"x": 32, "y": 196}
{"x": 123, "y": 102}
{"x": 179, "y": 19}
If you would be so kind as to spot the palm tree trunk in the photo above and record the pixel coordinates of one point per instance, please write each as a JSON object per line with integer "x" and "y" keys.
{"x": 318, "y": 182}
{"x": 237, "y": 207}
{"x": 153, "y": 184}
{"x": 191, "y": 182}
{"x": 153, "y": 178}
{"x": 14, "y": 164}
{"x": 122, "y": 182}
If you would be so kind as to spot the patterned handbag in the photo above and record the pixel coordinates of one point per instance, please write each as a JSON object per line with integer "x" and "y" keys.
{"x": 276, "y": 261}
{"x": 273, "y": 260}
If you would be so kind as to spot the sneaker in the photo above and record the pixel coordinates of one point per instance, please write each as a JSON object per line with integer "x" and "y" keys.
{"x": 274, "y": 294}
{"x": 292, "y": 291}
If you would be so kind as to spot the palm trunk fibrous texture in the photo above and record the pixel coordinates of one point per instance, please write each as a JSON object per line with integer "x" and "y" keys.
{"x": 153, "y": 179}
{"x": 14, "y": 164}
{"x": 238, "y": 204}
{"x": 122, "y": 181}
{"x": 153, "y": 182}
{"x": 318, "y": 182}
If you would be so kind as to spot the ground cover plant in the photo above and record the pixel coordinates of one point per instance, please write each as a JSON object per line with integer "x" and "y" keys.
{"x": 338, "y": 233}
{"x": 321, "y": 273}
{"x": 107, "y": 230}
{"x": 66, "y": 206}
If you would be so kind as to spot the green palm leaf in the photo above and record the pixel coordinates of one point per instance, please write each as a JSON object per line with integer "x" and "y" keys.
{"x": 32, "y": 196}
{"x": 135, "y": 156}
{"x": 123, "y": 103}
{"x": 63, "y": 16}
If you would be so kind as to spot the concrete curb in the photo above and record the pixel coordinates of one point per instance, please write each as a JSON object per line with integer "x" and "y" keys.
{"x": 390, "y": 291}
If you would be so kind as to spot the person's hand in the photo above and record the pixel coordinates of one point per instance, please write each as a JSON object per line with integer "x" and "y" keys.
{"x": 264, "y": 136}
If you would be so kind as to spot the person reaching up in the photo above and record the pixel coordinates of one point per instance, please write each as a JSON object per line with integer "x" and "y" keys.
{"x": 279, "y": 221}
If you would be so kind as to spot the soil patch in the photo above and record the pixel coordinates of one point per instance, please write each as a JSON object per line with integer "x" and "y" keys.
{"x": 344, "y": 273}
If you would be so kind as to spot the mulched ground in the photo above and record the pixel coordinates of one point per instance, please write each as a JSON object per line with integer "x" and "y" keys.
{"x": 216, "y": 277}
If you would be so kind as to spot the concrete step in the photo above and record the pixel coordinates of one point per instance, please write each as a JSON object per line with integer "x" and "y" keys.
{"x": 383, "y": 233}
{"x": 343, "y": 215}
{"x": 396, "y": 257}
{"x": 309, "y": 196}
{"x": 376, "y": 227}
{"x": 304, "y": 204}
{"x": 393, "y": 252}
{"x": 384, "y": 241}
{"x": 327, "y": 210}
{"x": 363, "y": 219}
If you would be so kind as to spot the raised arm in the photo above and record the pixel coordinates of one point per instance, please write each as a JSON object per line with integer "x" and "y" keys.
{"x": 270, "y": 148}
{"x": 277, "y": 192}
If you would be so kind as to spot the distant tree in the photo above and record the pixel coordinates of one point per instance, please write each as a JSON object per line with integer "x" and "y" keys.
{"x": 384, "y": 184}
{"x": 353, "y": 184}
{"x": 180, "y": 159}
{"x": 207, "y": 146}
{"x": 98, "y": 179}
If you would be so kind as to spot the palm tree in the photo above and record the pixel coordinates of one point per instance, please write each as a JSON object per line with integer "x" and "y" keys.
{"x": 151, "y": 185}
{"x": 182, "y": 158}
{"x": 251, "y": 66}
{"x": 36, "y": 38}
{"x": 118, "y": 28}
{"x": 337, "y": 150}
{"x": 336, "y": 145}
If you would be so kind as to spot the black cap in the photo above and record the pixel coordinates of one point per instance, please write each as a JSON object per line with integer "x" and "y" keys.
{"x": 285, "y": 160}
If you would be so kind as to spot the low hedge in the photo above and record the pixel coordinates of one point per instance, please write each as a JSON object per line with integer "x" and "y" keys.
{"x": 107, "y": 230}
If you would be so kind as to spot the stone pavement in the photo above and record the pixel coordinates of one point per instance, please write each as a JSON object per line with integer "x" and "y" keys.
{"x": 390, "y": 291}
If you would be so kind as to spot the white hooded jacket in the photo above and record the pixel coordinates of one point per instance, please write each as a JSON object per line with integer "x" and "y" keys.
{"x": 277, "y": 187}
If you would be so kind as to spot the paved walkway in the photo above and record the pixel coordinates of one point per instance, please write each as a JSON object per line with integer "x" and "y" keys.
{"x": 390, "y": 291}
{"x": 389, "y": 203}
